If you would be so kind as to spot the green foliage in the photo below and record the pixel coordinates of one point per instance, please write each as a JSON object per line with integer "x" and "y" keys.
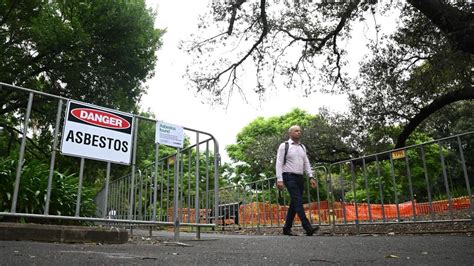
{"x": 330, "y": 138}
{"x": 257, "y": 143}
{"x": 327, "y": 138}
{"x": 33, "y": 190}
{"x": 167, "y": 168}
{"x": 95, "y": 51}
{"x": 412, "y": 68}
{"x": 99, "y": 52}
{"x": 425, "y": 178}
{"x": 454, "y": 193}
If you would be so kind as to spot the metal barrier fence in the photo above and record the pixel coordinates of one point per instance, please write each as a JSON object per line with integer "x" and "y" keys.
{"x": 427, "y": 182}
{"x": 153, "y": 195}
{"x": 157, "y": 200}
{"x": 431, "y": 181}
{"x": 259, "y": 204}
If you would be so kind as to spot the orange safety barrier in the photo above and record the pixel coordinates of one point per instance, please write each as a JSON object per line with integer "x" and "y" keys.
{"x": 405, "y": 209}
{"x": 264, "y": 213}
{"x": 271, "y": 214}
{"x": 259, "y": 213}
{"x": 187, "y": 215}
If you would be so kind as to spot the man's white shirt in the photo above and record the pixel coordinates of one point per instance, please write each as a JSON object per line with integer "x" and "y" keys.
{"x": 296, "y": 160}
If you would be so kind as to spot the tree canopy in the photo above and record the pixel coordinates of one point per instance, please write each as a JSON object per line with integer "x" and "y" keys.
{"x": 96, "y": 51}
{"x": 325, "y": 137}
{"x": 99, "y": 52}
{"x": 415, "y": 73}
{"x": 408, "y": 76}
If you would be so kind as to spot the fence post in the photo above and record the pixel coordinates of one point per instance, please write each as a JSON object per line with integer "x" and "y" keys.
{"x": 22, "y": 153}
{"x": 392, "y": 170}
{"x": 155, "y": 179}
{"x": 407, "y": 162}
{"x": 216, "y": 176}
{"x": 331, "y": 212}
{"x": 134, "y": 157}
{"x": 355, "y": 196}
{"x": 196, "y": 202}
{"x": 53, "y": 156}
{"x": 367, "y": 193}
{"x": 343, "y": 196}
{"x": 79, "y": 188}
{"x": 176, "y": 196}
{"x": 207, "y": 185}
{"x": 318, "y": 198}
{"x": 107, "y": 180}
{"x": 446, "y": 183}
{"x": 466, "y": 178}
{"x": 140, "y": 195}
{"x": 380, "y": 187}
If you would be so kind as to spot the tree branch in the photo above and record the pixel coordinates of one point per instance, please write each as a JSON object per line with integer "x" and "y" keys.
{"x": 344, "y": 17}
{"x": 5, "y": 17}
{"x": 233, "y": 67}
{"x": 466, "y": 93}
{"x": 199, "y": 44}
{"x": 338, "y": 61}
{"x": 234, "y": 8}
{"x": 11, "y": 129}
{"x": 455, "y": 23}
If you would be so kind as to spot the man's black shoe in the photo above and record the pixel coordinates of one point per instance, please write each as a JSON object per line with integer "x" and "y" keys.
{"x": 288, "y": 233}
{"x": 312, "y": 230}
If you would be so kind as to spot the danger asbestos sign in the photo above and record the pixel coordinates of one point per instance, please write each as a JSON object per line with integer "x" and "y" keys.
{"x": 97, "y": 133}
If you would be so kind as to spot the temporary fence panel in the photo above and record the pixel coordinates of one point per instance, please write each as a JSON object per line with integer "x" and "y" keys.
{"x": 427, "y": 182}
{"x": 259, "y": 204}
{"x": 195, "y": 183}
{"x": 166, "y": 191}
{"x": 431, "y": 181}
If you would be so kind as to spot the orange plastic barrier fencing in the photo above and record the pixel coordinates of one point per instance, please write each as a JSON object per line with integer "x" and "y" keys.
{"x": 259, "y": 213}
{"x": 187, "y": 215}
{"x": 272, "y": 214}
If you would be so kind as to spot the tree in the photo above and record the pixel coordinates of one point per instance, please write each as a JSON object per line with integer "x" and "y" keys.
{"x": 256, "y": 145}
{"x": 330, "y": 138}
{"x": 99, "y": 52}
{"x": 413, "y": 75}
{"x": 33, "y": 190}
{"x": 94, "y": 51}
{"x": 299, "y": 41}
{"x": 455, "y": 23}
{"x": 266, "y": 30}
{"x": 327, "y": 139}
{"x": 380, "y": 182}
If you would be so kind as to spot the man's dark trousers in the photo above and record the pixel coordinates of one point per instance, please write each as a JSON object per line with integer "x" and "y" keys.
{"x": 295, "y": 185}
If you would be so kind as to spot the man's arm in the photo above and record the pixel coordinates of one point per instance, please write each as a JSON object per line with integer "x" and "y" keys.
{"x": 307, "y": 166}
{"x": 309, "y": 171}
{"x": 279, "y": 162}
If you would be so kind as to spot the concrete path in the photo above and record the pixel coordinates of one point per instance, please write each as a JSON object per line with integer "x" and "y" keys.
{"x": 218, "y": 249}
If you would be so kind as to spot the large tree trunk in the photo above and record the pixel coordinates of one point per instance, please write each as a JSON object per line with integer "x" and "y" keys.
{"x": 456, "y": 24}
{"x": 448, "y": 98}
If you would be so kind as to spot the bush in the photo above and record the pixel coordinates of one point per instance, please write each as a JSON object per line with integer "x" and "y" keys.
{"x": 33, "y": 190}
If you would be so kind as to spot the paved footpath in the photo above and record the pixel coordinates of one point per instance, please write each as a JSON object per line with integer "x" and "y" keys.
{"x": 221, "y": 249}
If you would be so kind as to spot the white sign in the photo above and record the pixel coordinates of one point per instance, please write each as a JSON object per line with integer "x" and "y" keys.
{"x": 97, "y": 133}
{"x": 169, "y": 134}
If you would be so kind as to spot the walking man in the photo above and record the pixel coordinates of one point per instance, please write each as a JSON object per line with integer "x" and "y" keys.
{"x": 291, "y": 163}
